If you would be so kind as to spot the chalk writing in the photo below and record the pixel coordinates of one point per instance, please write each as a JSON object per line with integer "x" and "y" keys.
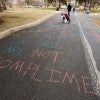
{"x": 33, "y": 70}
{"x": 18, "y": 65}
{"x": 97, "y": 37}
{"x": 5, "y": 63}
{"x": 21, "y": 42}
{"x": 49, "y": 46}
{"x": 40, "y": 54}
{"x": 25, "y": 42}
{"x": 52, "y": 74}
{"x": 98, "y": 87}
{"x": 71, "y": 79}
{"x": 86, "y": 84}
{"x": 13, "y": 50}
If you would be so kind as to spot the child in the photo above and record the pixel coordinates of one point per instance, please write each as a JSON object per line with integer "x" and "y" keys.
{"x": 66, "y": 18}
{"x": 73, "y": 9}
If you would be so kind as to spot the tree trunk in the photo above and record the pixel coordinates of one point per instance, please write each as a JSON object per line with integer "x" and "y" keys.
{"x": 4, "y": 7}
{"x": 54, "y": 4}
{"x": 85, "y": 5}
{"x": 90, "y": 5}
{"x": 57, "y": 6}
{"x": 4, "y": 4}
{"x": 65, "y": 2}
{"x": 1, "y": 10}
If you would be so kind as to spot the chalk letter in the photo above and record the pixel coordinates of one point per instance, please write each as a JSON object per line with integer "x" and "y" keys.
{"x": 55, "y": 56}
{"x": 33, "y": 76}
{"x": 46, "y": 54}
{"x": 86, "y": 85}
{"x": 51, "y": 76}
{"x": 71, "y": 79}
{"x": 33, "y": 68}
{"x": 5, "y": 63}
{"x": 17, "y": 65}
{"x": 37, "y": 53}
{"x": 98, "y": 87}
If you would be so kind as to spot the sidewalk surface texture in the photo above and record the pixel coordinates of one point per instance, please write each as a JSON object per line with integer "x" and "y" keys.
{"x": 48, "y": 61}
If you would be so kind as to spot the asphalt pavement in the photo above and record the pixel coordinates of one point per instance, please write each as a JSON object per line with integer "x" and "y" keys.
{"x": 46, "y": 62}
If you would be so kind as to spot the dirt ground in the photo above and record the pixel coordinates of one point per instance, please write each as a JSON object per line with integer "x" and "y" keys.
{"x": 16, "y": 17}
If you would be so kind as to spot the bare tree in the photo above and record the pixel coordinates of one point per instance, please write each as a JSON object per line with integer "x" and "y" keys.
{"x": 95, "y": 4}
{"x": 1, "y": 9}
{"x": 3, "y": 2}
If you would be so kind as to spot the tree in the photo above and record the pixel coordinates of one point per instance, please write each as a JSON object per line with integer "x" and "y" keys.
{"x": 95, "y": 4}
{"x": 35, "y": 2}
{"x": 92, "y": 3}
{"x": 56, "y": 3}
{"x": 21, "y": 3}
{"x": 3, "y": 3}
{"x": 1, "y": 9}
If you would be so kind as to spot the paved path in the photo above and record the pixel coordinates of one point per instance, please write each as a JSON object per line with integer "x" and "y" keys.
{"x": 45, "y": 62}
{"x": 92, "y": 33}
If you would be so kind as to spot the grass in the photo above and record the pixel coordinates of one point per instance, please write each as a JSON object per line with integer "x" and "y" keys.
{"x": 96, "y": 10}
{"x": 95, "y": 20}
{"x": 16, "y": 17}
{"x": 92, "y": 11}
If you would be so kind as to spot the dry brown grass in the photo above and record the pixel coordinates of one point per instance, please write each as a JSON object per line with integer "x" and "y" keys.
{"x": 13, "y": 18}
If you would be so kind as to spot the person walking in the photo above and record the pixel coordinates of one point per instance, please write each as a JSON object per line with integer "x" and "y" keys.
{"x": 69, "y": 7}
{"x": 73, "y": 9}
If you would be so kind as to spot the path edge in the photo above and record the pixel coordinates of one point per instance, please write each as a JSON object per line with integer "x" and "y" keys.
{"x": 95, "y": 74}
{"x": 12, "y": 30}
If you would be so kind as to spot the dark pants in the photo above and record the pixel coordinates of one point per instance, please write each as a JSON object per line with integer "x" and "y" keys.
{"x": 69, "y": 13}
